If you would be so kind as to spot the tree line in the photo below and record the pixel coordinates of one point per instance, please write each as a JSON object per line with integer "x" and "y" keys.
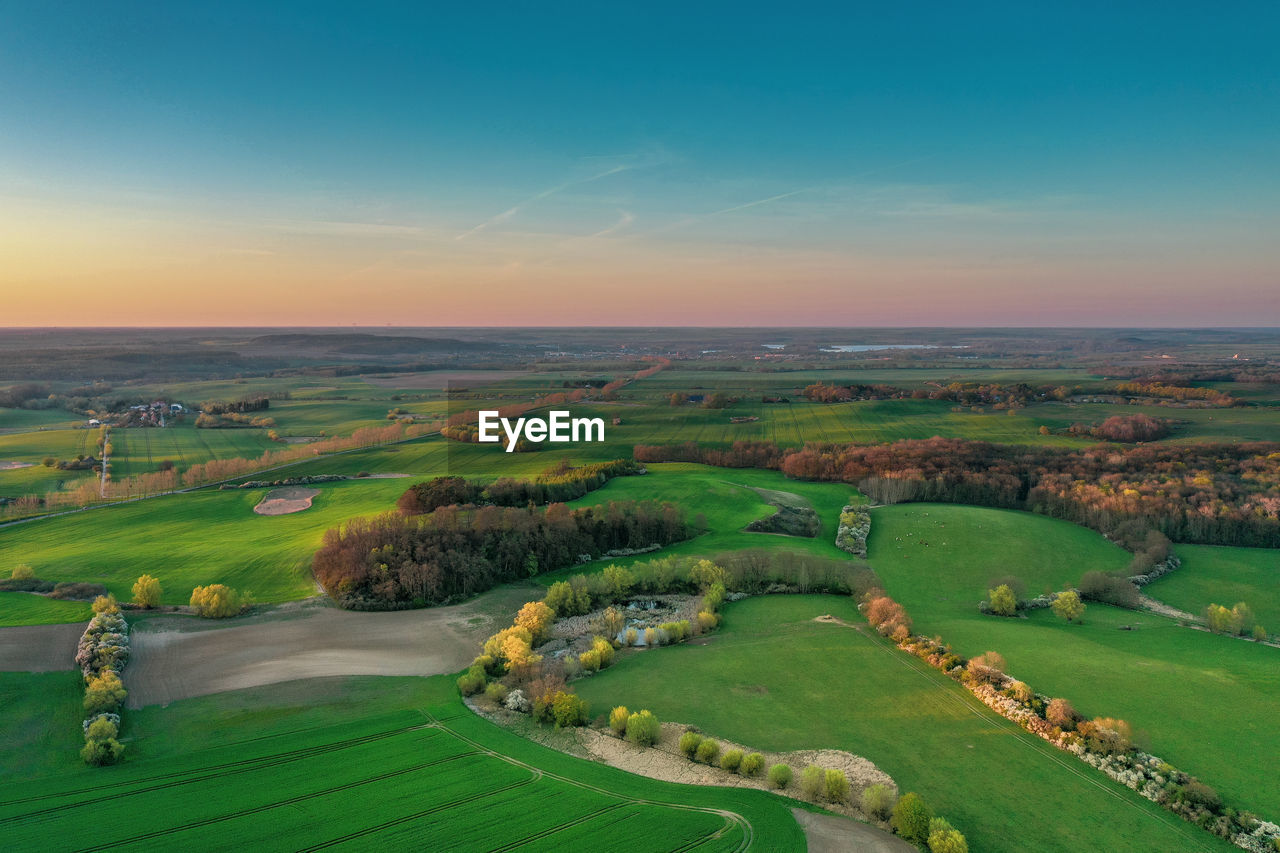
{"x": 555, "y": 485}
{"x": 394, "y": 561}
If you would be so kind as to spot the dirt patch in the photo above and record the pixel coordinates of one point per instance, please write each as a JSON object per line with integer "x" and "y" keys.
{"x": 385, "y": 476}
{"x": 831, "y": 834}
{"x": 39, "y": 648}
{"x": 285, "y": 501}
{"x": 12, "y": 466}
{"x": 176, "y": 657}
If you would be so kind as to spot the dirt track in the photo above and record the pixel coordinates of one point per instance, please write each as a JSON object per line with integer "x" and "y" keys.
{"x": 176, "y": 657}
{"x": 39, "y": 648}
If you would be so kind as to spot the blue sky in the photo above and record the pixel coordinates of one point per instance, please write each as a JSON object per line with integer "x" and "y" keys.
{"x": 892, "y": 165}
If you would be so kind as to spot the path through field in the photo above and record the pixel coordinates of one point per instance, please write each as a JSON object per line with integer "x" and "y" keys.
{"x": 178, "y": 657}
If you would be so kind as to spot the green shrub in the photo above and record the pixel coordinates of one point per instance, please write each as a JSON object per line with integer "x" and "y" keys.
{"x": 104, "y": 693}
{"x": 589, "y": 661}
{"x": 495, "y": 692}
{"x": 878, "y": 801}
{"x": 22, "y": 572}
{"x": 707, "y": 621}
{"x": 813, "y": 781}
{"x": 216, "y": 601}
{"x": 752, "y": 764}
{"x": 779, "y": 776}
{"x": 651, "y": 638}
{"x": 708, "y": 751}
{"x": 99, "y": 752}
{"x": 101, "y": 729}
{"x": 106, "y": 604}
{"x": 945, "y": 839}
{"x": 1002, "y": 601}
{"x": 911, "y": 817}
{"x": 631, "y": 636}
{"x": 618, "y": 720}
{"x": 837, "y": 786}
{"x": 471, "y": 682}
{"x": 689, "y": 743}
{"x": 569, "y": 709}
{"x": 643, "y": 728}
{"x": 731, "y": 760}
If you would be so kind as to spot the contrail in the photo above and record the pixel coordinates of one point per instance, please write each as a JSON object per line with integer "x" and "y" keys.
{"x": 512, "y": 211}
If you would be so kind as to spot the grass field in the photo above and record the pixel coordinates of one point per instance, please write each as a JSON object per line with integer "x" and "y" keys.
{"x": 367, "y": 763}
{"x": 23, "y": 608}
{"x": 193, "y": 539}
{"x": 1219, "y": 575}
{"x": 42, "y": 713}
{"x": 774, "y": 679}
{"x": 1207, "y": 703}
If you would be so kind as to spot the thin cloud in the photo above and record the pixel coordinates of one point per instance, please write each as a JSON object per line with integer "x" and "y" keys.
{"x": 625, "y": 218}
{"x": 512, "y": 211}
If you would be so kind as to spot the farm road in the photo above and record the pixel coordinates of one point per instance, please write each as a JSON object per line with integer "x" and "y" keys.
{"x": 177, "y": 658}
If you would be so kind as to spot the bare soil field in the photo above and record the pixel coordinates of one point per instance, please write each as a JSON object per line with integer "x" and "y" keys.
{"x": 285, "y": 501}
{"x": 179, "y": 657}
{"x": 39, "y": 648}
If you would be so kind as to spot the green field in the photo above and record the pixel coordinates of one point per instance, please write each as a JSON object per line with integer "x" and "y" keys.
{"x": 24, "y": 608}
{"x": 1207, "y": 703}
{"x": 773, "y": 679}
{"x": 193, "y": 539}
{"x": 1219, "y": 575}
{"x": 366, "y": 763}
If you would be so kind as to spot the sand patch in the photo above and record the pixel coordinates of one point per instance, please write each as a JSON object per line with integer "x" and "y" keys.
{"x": 286, "y": 500}
{"x": 12, "y": 466}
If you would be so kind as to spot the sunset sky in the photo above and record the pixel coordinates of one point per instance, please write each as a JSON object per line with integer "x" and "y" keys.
{"x": 639, "y": 163}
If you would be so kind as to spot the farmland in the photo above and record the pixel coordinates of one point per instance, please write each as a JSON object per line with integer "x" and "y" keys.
{"x": 1211, "y": 575}
{"x": 841, "y": 687}
{"x": 939, "y": 561}
{"x": 387, "y": 762}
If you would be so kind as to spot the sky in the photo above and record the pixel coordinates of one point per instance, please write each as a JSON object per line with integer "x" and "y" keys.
{"x": 433, "y": 164}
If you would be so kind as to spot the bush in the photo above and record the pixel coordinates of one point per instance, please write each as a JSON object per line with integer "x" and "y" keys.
{"x": 911, "y": 818}
{"x": 472, "y": 681}
{"x": 1106, "y": 735}
{"x": 752, "y": 764}
{"x": 78, "y": 591}
{"x": 102, "y": 728}
{"x": 630, "y": 637}
{"x": 707, "y": 621}
{"x": 147, "y": 592}
{"x": 569, "y": 709}
{"x": 1060, "y": 713}
{"x": 216, "y": 601}
{"x": 650, "y": 637}
{"x": 731, "y": 760}
{"x": 878, "y": 801}
{"x": 106, "y": 604}
{"x": 689, "y": 743}
{"x": 97, "y": 753}
{"x": 22, "y": 572}
{"x": 1002, "y": 601}
{"x": 813, "y": 781}
{"x": 496, "y": 692}
{"x": 104, "y": 692}
{"x": 779, "y": 776}
{"x": 945, "y": 839}
{"x": 517, "y": 702}
{"x": 708, "y": 751}
{"x": 643, "y": 728}
{"x": 603, "y": 650}
{"x": 837, "y": 786}
{"x": 1109, "y": 589}
{"x": 1068, "y": 606}
{"x": 618, "y": 720}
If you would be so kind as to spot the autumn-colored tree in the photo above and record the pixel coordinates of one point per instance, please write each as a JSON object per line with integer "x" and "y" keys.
{"x": 1060, "y": 713}
{"x": 988, "y": 667}
{"x": 106, "y": 604}
{"x": 104, "y": 692}
{"x": 1107, "y": 735}
{"x": 22, "y": 572}
{"x": 147, "y": 592}
{"x": 216, "y": 601}
{"x": 1068, "y": 606}
{"x": 536, "y": 618}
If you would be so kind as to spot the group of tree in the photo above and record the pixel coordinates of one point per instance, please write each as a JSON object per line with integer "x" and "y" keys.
{"x": 393, "y": 560}
{"x": 1125, "y": 429}
{"x": 994, "y": 394}
{"x": 250, "y": 403}
{"x": 556, "y": 485}
{"x": 1179, "y": 393}
{"x": 102, "y": 653}
{"x": 1237, "y": 621}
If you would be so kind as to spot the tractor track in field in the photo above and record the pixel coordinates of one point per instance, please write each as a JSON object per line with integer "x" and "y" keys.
{"x": 167, "y": 780}
{"x": 731, "y": 818}
{"x": 290, "y": 801}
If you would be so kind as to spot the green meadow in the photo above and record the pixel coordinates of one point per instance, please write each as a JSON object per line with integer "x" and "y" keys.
{"x": 1206, "y": 703}
{"x": 1219, "y": 575}
{"x": 774, "y": 679}
{"x": 387, "y": 762}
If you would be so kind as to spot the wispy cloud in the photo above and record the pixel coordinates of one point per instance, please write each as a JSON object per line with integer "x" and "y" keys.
{"x": 625, "y": 218}
{"x": 756, "y": 203}
{"x": 512, "y": 211}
